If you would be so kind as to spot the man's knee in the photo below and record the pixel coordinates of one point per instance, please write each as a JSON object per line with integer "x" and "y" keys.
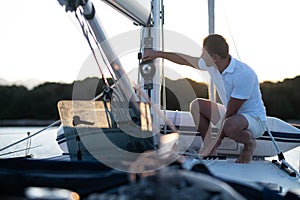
{"x": 230, "y": 128}
{"x": 234, "y": 125}
{"x": 194, "y": 104}
{"x": 200, "y": 104}
{"x": 227, "y": 128}
{"x": 195, "y": 107}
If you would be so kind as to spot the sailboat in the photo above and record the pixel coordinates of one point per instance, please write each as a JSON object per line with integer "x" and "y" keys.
{"x": 127, "y": 130}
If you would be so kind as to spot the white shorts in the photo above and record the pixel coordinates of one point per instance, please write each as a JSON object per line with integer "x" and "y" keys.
{"x": 255, "y": 125}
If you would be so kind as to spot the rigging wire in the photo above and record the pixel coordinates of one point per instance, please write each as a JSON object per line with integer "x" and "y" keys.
{"x": 104, "y": 58}
{"x": 79, "y": 28}
{"x": 86, "y": 29}
{"x": 230, "y": 31}
{"x": 20, "y": 150}
{"x": 86, "y": 35}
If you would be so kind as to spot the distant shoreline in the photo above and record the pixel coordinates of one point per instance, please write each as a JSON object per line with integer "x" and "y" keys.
{"x": 26, "y": 122}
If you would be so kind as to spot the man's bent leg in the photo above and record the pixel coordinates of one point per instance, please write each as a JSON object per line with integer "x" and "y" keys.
{"x": 235, "y": 128}
{"x": 249, "y": 146}
{"x": 203, "y": 112}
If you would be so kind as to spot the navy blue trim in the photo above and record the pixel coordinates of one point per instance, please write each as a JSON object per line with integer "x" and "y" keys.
{"x": 62, "y": 141}
{"x": 282, "y": 137}
{"x": 60, "y": 137}
{"x": 280, "y": 140}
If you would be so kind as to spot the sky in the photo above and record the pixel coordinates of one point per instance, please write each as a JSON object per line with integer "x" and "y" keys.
{"x": 40, "y": 41}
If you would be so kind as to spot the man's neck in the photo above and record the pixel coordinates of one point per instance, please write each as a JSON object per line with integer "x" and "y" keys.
{"x": 224, "y": 64}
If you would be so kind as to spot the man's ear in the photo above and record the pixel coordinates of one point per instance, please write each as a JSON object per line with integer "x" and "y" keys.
{"x": 215, "y": 57}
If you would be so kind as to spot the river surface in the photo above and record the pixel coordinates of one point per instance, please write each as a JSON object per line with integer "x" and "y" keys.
{"x": 42, "y": 145}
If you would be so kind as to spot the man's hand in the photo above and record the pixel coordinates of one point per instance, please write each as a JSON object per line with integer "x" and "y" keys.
{"x": 150, "y": 55}
{"x": 233, "y": 106}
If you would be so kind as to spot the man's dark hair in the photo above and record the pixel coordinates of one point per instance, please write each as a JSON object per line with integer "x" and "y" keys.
{"x": 216, "y": 44}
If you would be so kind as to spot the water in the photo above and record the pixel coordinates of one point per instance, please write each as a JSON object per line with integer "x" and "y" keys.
{"x": 44, "y": 144}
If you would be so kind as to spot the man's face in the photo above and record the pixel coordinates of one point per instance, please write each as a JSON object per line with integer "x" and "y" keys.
{"x": 208, "y": 59}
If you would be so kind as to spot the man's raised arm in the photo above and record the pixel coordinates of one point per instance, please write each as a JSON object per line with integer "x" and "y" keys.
{"x": 179, "y": 58}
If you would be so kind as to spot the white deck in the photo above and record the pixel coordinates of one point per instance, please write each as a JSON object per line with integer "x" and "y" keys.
{"x": 258, "y": 171}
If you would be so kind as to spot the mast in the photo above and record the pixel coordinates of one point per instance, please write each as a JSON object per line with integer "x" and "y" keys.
{"x": 151, "y": 71}
{"x": 157, "y": 17}
{"x": 211, "y": 30}
{"x": 211, "y": 16}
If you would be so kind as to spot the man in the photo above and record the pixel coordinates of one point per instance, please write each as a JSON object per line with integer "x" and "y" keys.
{"x": 245, "y": 117}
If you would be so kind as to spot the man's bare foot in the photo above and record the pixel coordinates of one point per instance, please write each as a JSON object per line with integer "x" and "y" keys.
{"x": 246, "y": 155}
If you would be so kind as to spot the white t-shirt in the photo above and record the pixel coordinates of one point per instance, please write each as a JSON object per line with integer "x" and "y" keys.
{"x": 241, "y": 82}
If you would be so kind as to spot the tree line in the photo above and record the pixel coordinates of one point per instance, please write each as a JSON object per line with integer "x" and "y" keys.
{"x": 17, "y": 102}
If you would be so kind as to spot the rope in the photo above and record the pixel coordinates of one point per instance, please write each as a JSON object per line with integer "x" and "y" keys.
{"x": 275, "y": 144}
{"x": 280, "y": 154}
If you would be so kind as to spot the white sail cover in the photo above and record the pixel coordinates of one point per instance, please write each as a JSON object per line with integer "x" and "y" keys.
{"x": 136, "y": 10}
